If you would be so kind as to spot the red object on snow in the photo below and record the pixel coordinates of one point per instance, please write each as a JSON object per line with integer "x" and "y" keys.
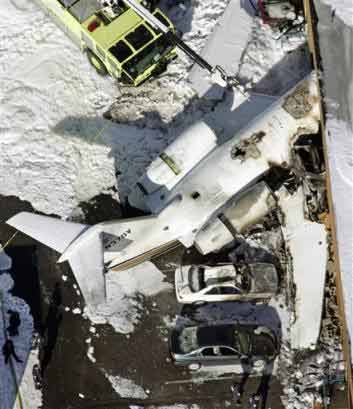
{"x": 93, "y": 25}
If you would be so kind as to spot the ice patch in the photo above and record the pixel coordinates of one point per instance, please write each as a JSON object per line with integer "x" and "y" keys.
{"x": 126, "y": 388}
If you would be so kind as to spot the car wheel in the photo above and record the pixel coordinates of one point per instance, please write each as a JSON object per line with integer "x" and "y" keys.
{"x": 96, "y": 63}
{"x": 194, "y": 367}
{"x": 198, "y": 303}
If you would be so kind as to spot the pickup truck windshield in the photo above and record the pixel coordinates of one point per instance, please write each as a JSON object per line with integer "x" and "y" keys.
{"x": 147, "y": 57}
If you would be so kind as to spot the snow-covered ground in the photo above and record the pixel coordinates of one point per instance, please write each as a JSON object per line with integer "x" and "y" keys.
{"x": 56, "y": 149}
{"x": 123, "y": 308}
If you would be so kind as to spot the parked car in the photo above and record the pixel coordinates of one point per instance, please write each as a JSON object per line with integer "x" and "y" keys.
{"x": 227, "y": 282}
{"x": 115, "y": 38}
{"x": 222, "y": 344}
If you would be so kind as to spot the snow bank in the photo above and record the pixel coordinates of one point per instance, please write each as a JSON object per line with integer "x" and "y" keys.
{"x": 125, "y": 293}
{"x": 342, "y": 9}
{"x": 30, "y": 396}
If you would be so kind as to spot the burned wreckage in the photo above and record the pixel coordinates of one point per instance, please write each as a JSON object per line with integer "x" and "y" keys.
{"x": 259, "y": 198}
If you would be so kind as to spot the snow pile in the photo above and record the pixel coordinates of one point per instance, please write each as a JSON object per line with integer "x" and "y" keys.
{"x": 46, "y": 80}
{"x": 126, "y": 388}
{"x": 20, "y": 373}
{"x": 343, "y": 9}
{"x": 125, "y": 293}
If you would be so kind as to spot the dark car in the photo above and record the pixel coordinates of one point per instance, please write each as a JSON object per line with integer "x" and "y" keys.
{"x": 222, "y": 344}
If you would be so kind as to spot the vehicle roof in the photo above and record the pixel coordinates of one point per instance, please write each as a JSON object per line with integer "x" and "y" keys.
{"x": 215, "y": 335}
{"x": 83, "y": 9}
{"x": 107, "y": 35}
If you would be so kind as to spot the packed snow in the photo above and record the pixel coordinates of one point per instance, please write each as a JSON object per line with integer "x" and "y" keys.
{"x": 126, "y": 388}
{"x": 125, "y": 292}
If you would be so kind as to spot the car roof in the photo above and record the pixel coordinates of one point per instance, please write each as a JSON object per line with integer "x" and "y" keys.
{"x": 215, "y": 335}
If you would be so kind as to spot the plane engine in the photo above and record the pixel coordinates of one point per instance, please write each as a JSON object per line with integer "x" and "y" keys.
{"x": 243, "y": 211}
{"x": 175, "y": 162}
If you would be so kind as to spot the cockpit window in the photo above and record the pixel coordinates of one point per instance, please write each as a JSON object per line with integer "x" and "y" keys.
{"x": 121, "y": 51}
{"x": 139, "y": 37}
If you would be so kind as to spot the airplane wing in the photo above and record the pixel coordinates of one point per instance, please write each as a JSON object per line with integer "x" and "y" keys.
{"x": 55, "y": 233}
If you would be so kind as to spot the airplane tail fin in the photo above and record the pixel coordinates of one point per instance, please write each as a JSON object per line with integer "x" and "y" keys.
{"x": 86, "y": 259}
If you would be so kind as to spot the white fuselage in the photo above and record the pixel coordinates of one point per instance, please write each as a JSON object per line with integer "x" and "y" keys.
{"x": 226, "y": 171}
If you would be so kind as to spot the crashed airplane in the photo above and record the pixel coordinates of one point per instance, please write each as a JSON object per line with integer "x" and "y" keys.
{"x": 192, "y": 191}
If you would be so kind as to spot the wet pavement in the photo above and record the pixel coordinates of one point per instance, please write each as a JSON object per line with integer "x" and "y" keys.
{"x": 142, "y": 357}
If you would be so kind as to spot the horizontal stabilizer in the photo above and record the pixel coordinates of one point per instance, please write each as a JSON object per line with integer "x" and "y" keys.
{"x": 55, "y": 233}
{"x": 85, "y": 253}
{"x": 86, "y": 261}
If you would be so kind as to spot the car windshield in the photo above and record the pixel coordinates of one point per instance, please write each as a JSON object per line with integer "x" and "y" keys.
{"x": 188, "y": 339}
{"x": 147, "y": 57}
